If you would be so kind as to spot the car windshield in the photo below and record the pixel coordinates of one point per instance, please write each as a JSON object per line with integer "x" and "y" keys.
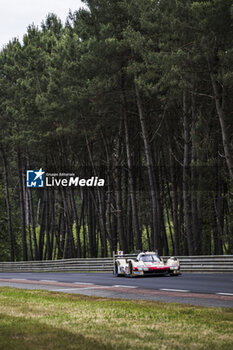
{"x": 150, "y": 258}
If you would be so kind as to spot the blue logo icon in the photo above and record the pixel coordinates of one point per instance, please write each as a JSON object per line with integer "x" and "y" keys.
{"x": 35, "y": 178}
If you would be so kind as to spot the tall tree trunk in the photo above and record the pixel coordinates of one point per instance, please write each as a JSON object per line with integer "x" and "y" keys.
{"x": 168, "y": 220}
{"x": 58, "y": 236}
{"x": 42, "y": 227}
{"x": 22, "y": 207}
{"x": 32, "y": 223}
{"x": 137, "y": 231}
{"x": 156, "y": 220}
{"x": 84, "y": 235}
{"x": 77, "y": 223}
{"x": 53, "y": 220}
{"x": 47, "y": 225}
{"x": 8, "y": 205}
{"x": 174, "y": 200}
{"x": 63, "y": 233}
{"x": 129, "y": 225}
{"x": 91, "y": 224}
{"x": 219, "y": 215}
{"x": 187, "y": 177}
{"x": 222, "y": 119}
{"x": 101, "y": 214}
{"x": 109, "y": 195}
{"x": 30, "y": 237}
{"x": 69, "y": 246}
{"x": 118, "y": 191}
{"x": 138, "y": 234}
{"x": 196, "y": 226}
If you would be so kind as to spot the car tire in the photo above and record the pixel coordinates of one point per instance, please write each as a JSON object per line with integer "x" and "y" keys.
{"x": 174, "y": 274}
{"x": 130, "y": 269}
{"x": 115, "y": 271}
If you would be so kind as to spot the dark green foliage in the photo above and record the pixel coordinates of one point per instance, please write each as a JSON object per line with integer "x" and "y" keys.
{"x": 139, "y": 93}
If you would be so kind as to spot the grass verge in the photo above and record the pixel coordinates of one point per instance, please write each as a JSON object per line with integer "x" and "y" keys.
{"x": 32, "y": 319}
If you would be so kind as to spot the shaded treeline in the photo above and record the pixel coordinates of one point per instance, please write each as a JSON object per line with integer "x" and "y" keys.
{"x": 138, "y": 93}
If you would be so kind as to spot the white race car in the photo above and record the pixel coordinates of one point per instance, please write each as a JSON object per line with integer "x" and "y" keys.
{"x": 148, "y": 263}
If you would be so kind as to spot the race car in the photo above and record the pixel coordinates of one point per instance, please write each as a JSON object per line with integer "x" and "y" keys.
{"x": 146, "y": 263}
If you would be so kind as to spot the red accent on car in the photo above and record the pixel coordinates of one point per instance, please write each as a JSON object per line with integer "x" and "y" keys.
{"x": 135, "y": 268}
{"x": 159, "y": 268}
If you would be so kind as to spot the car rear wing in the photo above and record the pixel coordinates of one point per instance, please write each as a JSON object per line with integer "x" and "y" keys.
{"x": 123, "y": 256}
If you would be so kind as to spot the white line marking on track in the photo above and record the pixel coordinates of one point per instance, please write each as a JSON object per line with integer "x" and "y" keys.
{"x": 47, "y": 281}
{"x": 175, "y": 290}
{"x": 225, "y": 294}
{"x": 83, "y": 283}
{"x": 123, "y": 286}
{"x": 67, "y": 289}
{"x": 19, "y": 279}
{"x": 86, "y": 288}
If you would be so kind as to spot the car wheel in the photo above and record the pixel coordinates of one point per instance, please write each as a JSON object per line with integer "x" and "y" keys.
{"x": 130, "y": 269}
{"x": 173, "y": 274}
{"x": 115, "y": 271}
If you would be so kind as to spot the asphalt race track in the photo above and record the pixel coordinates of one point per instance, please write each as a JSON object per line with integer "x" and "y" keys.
{"x": 195, "y": 289}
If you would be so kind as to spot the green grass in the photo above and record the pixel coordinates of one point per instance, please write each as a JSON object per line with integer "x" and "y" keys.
{"x": 48, "y": 320}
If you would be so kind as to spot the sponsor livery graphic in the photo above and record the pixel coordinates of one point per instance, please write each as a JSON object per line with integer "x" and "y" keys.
{"x": 35, "y": 178}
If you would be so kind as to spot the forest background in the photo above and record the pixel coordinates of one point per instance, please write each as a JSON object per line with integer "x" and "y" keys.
{"x": 138, "y": 92}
